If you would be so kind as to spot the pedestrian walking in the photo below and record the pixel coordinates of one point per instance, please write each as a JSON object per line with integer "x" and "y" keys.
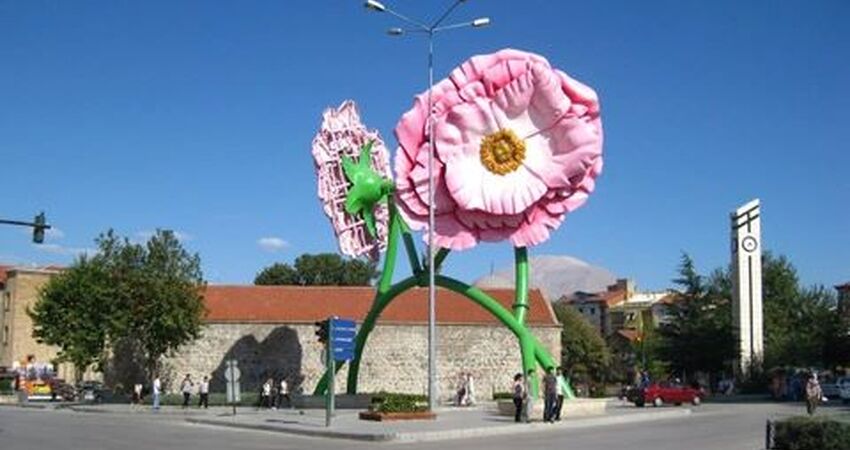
{"x": 550, "y": 395}
{"x": 563, "y": 389}
{"x": 814, "y": 394}
{"x": 283, "y": 393}
{"x": 267, "y": 394}
{"x": 186, "y": 388}
{"x": 519, "y": 394}
{"x": 204, "y": 393}
{"x": 156, "y": 390}
{"x": 470, "y": 390}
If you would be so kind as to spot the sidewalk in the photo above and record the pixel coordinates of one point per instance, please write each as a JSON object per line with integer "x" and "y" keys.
{"x": 450, "y": 423}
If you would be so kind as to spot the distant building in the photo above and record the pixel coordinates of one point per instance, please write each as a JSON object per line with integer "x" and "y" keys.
{"x": 19, "y": 288}
{"x": 844, "y": 298}
{"x": 619, "y": 307}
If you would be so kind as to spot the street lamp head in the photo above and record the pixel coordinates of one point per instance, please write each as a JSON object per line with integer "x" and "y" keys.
{"x": 395, "y": 31}
{"x": 481, "y": 22}
{"x": 375, "y": 6}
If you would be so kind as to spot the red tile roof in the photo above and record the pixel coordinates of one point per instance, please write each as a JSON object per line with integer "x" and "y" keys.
{"x": 303, "y": 304}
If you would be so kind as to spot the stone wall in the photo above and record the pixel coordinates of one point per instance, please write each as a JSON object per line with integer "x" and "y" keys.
{"x": 395, "y": 358}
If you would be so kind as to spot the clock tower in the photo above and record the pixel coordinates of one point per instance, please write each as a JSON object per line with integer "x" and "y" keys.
{"x": 746, "y": 286}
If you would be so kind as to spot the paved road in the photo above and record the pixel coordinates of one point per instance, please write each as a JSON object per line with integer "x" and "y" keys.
{"x": 711, "y": 427}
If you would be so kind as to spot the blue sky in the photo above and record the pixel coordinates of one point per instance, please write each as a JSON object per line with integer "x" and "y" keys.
{"x": 197, "y": 116}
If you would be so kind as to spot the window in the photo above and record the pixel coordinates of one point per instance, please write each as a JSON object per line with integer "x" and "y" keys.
{"x": 581, "y": 310}
{"x": 592, "y": 311}
{"x": 7, "y": 301}
{"x": 5, "y": 335}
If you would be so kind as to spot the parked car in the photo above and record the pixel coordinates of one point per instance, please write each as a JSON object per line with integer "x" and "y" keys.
{"x": 844, "y": 389}
{"x": 90, "y": 391}
{"x": 657, "y": 394}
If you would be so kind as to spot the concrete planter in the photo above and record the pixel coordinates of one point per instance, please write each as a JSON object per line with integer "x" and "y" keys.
{"x": 383, "y": 417}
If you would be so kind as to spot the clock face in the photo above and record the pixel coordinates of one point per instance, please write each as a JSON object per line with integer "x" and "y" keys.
{"x": 749, "y": 244}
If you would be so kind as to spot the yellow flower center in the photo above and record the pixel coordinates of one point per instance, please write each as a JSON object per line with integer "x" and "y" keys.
{"x": 502, "y": 152}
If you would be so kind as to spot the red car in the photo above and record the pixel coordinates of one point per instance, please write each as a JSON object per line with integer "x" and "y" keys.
{"x": 658, "y": 394}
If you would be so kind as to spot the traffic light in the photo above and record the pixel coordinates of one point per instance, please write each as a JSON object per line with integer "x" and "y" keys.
{"x": 40, "y": 224}
{"x": 322, "y": 331}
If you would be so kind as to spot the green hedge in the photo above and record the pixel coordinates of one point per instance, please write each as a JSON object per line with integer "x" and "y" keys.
{"x": 503, "y": 396}
{"x": 390, "y": 402}
{"x": 805, "y": 433}
{"x": 6, "y": 385}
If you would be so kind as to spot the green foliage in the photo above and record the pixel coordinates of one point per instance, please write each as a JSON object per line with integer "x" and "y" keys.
{"x": 6, "y": 386}
{"x": 584, "y": 354}
{"x": 323, "y": 269}
{"x": 387, "y": 402}
{"x": 698, "y": 333}
{"x": 805, "y": 433}
{"x": 277, "y": 274}
{"x": 73, "y": 313}
{"x": 149, "y": 294}
{"x": 503, "y": 396}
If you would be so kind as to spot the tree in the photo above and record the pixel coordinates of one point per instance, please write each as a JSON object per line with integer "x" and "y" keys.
{"x": 277, "y": 273}
{"x": 165, "y": 298}
{"x": 144, "y": 297}
{"x": 72, "y": 311}
{"x": 323, "y": 269}
{"x": 584, "y": 354}
{"x": 697, "y": 334}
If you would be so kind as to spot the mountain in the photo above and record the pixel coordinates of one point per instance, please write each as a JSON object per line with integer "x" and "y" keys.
{"x": 554, "y": 275}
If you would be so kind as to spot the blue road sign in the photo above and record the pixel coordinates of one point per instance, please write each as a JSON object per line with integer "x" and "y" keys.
{"x": 343, "y": 332}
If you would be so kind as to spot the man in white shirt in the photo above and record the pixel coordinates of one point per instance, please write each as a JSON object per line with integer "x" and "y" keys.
{"x": 204, "y": 393}
{"x": 283, "y": 392}
{"x": 157, "y": 390}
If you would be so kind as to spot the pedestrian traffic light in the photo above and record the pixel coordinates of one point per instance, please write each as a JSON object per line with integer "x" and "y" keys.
{"x": 39, "y": 225}
{"x": 322, "y": 331}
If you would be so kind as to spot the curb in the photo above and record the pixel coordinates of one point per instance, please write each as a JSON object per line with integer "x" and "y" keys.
{"x": 428, "y": 436}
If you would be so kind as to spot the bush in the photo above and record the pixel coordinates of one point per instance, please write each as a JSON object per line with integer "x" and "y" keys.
{"x": 215, "y": 399}
{"x": 6, "y": 386}
{"x": 386, "y": 402}
{"x": 804, "y": 433}
{"x": 503, "y": 396}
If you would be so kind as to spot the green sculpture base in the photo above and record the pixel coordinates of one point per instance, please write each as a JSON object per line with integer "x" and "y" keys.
{"x": 532, "y": 351}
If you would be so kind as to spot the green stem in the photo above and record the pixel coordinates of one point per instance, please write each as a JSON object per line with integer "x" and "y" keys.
{"x": 440, "y": 257}
{"x": 412, "y": 255}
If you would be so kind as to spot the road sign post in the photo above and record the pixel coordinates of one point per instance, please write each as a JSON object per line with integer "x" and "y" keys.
{"x": 232, "y": 375}
{"x": 341, "y": 333}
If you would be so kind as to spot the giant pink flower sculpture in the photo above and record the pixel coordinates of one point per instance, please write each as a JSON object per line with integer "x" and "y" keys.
{"x": 518, "y": 146}
{"x": 343, "y": 137}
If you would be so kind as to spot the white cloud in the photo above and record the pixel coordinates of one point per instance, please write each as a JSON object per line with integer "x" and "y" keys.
{"x": 272, "y": 244}
{"x": 54, "y": 233}
{"x": 57, "y": 249}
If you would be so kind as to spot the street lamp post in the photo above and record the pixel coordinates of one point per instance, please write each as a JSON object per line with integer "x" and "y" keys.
{"x": 430, "y": 31}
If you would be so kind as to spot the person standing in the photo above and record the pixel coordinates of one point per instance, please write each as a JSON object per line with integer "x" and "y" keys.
{"x": 519, "y": 395}
{"x": 137, "y": 394}
{"x": 267, "y": 394}
{"x": 813, "y": 394}
{"x": 470, "y": 389}
{"x": 550, "y": 395}
{"x": 204, "y": 392}
{"x": 283, "y": 393}
{"x": 186, "y": 387}
{"x": 156, "y": 390}
{"x": 563, "y": 389}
